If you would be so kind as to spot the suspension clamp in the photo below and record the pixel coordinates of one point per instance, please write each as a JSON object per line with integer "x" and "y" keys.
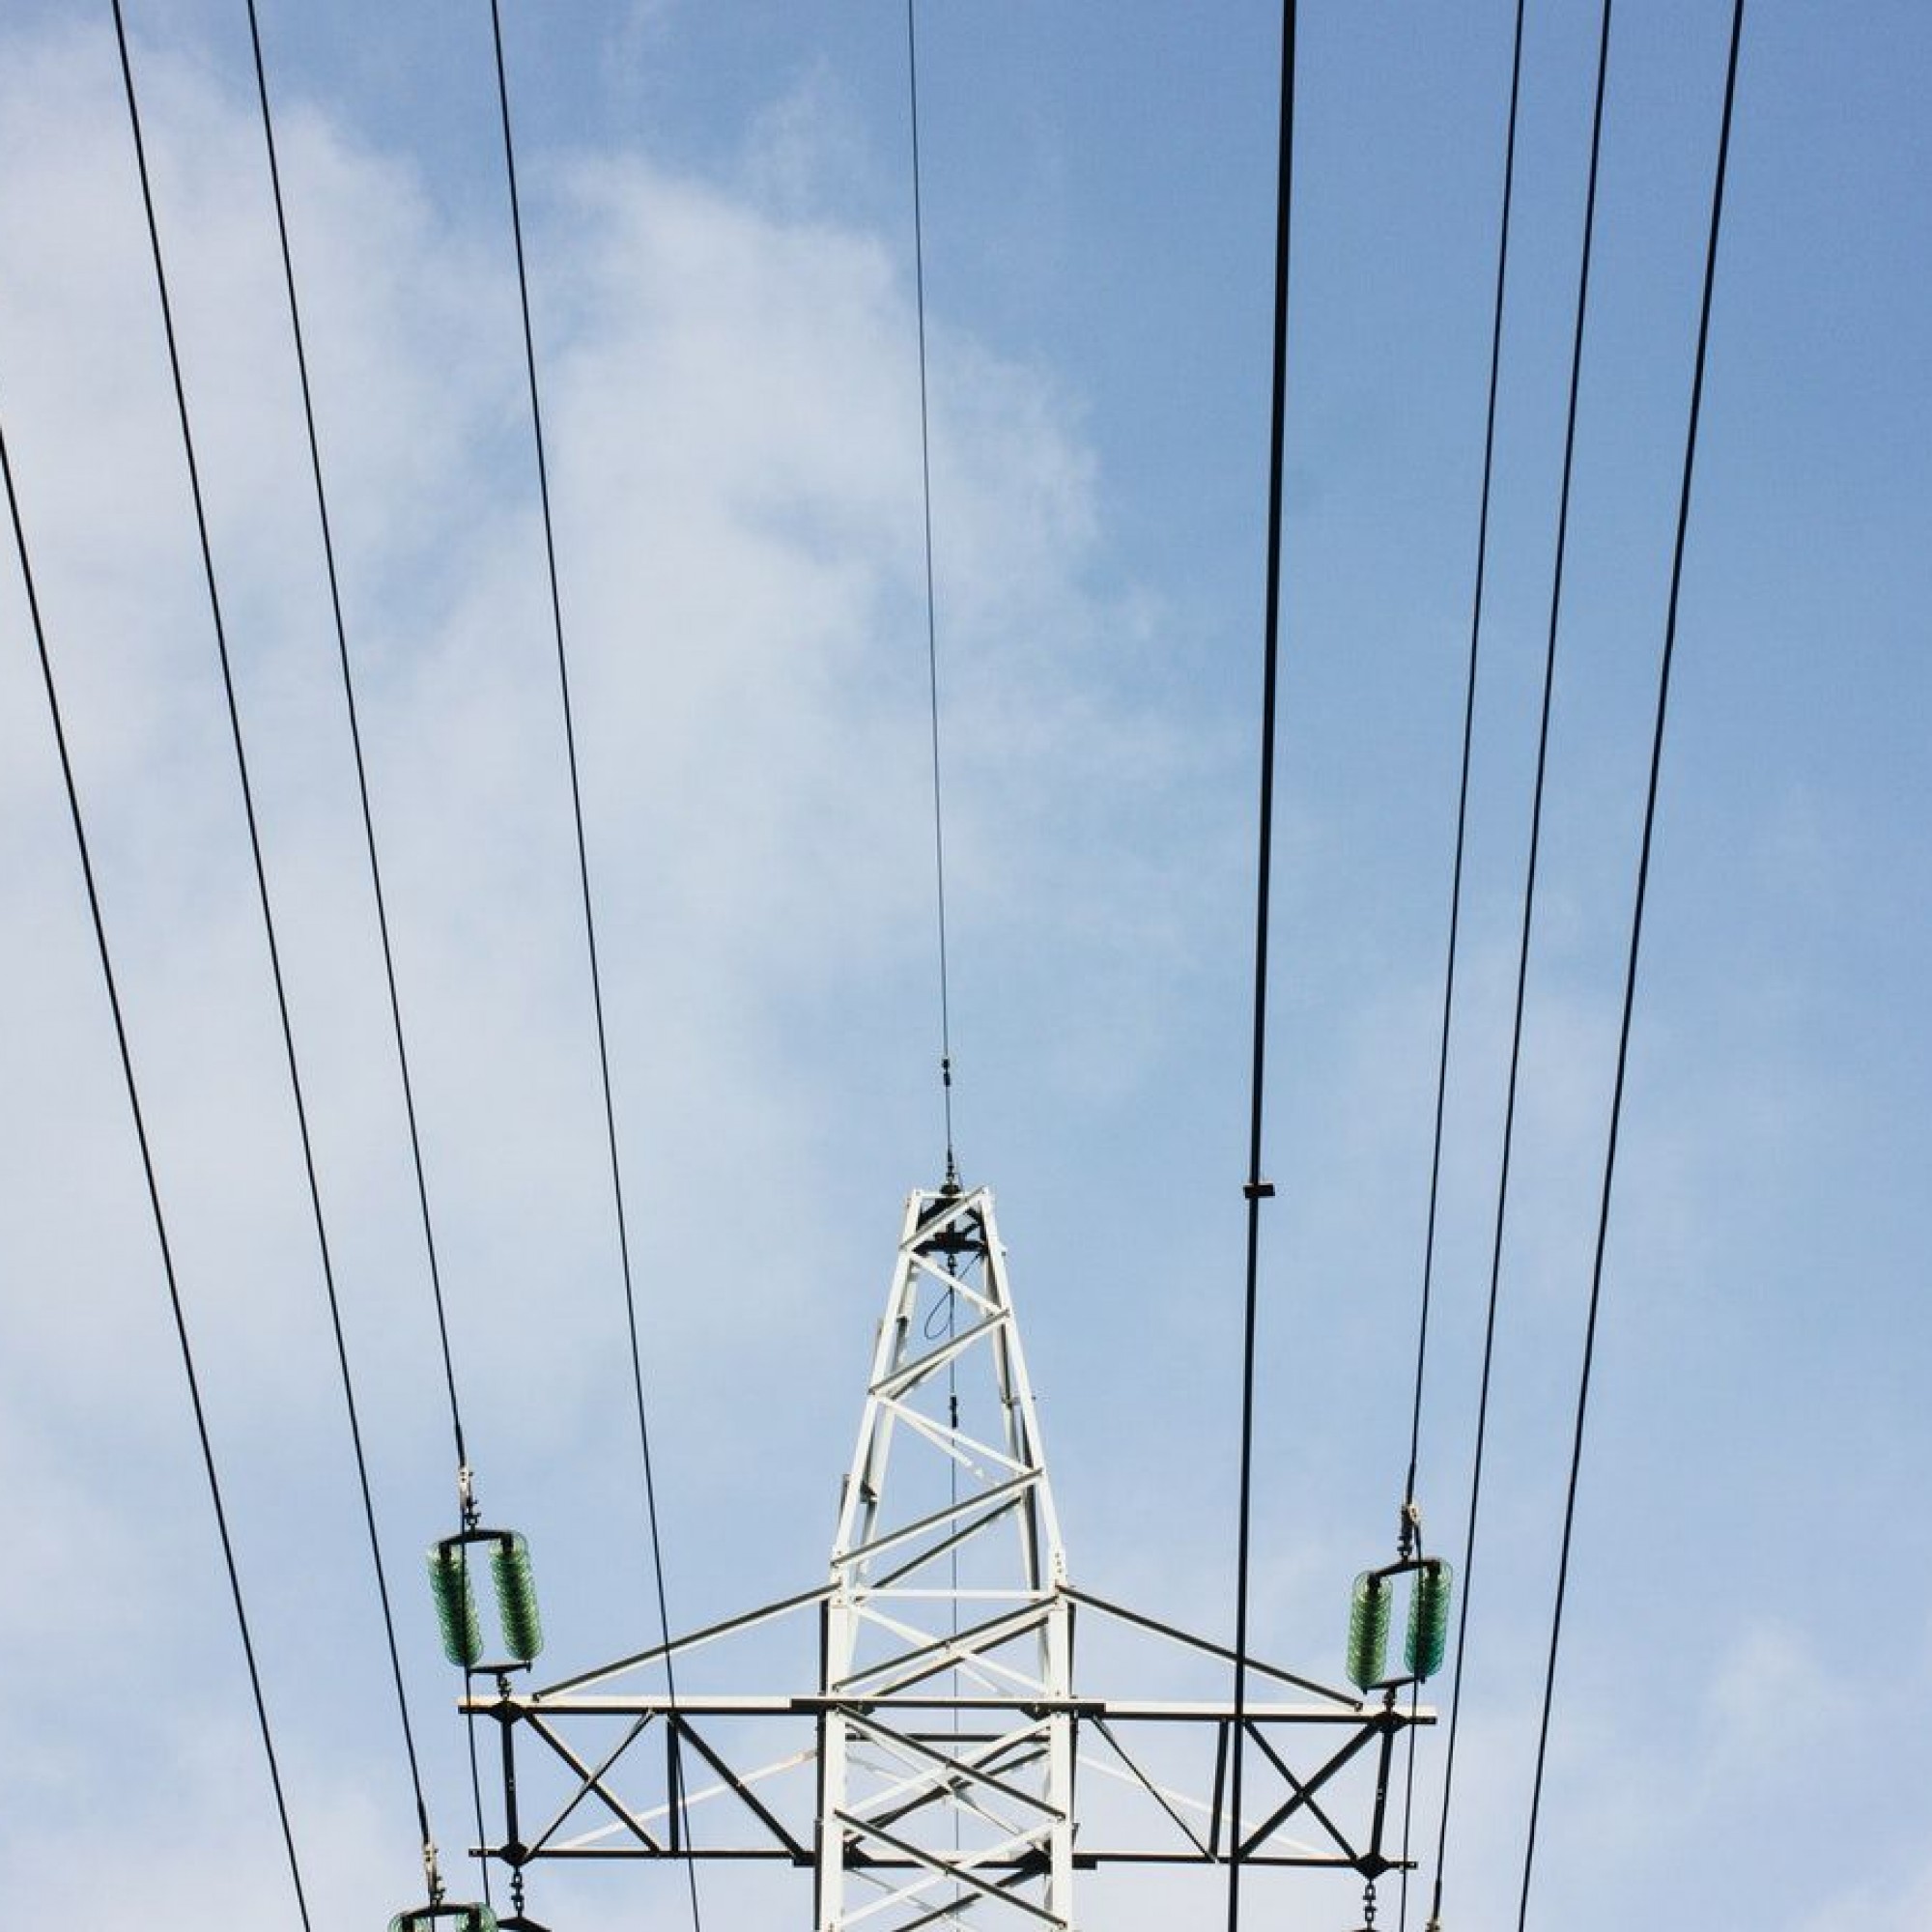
{"x": 1408, "y": 1536}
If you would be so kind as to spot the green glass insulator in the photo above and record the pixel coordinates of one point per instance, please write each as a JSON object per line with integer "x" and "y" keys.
{"x": 455, "y": 1603}
{"x": 1369, "y": 1630}
{"x": 516, "y": 1598}
{"x": 1428, "y": 1638}
{"x": 446, "y": 1918}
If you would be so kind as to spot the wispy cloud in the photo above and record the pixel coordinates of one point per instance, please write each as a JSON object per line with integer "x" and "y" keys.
{"x": 732, "y": 408}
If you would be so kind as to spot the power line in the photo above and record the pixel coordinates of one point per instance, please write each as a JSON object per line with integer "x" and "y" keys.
{"x": 931, "y": 611}
{"x": 154, "y": 1192}
{"x": 356, "y": 732}
{"x": 1410, "y": 1516}
{"x": 268, "y": 927}
{"x": 1522, "y": 952}
{"x": 1256, "y": 1188}
{"x": 1463, "y": 785}
{"x": 1636, "y": 936}
{"x": 583, "y": 881}
{"x": 463, "y": 1488}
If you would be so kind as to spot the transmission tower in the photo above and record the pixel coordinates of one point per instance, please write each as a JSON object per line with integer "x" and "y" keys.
{"x": 938, "y": 1765}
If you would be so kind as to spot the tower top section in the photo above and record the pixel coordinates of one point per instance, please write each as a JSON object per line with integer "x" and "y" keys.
{"x": 948, "y": 1485}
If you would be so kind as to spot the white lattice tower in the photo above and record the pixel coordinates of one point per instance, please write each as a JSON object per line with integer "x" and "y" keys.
{"x": 946, "y": 1573}
{"x": 927, "y": 1775}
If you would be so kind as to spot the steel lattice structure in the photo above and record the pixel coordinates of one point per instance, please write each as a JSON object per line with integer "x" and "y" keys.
{"x": 943, "y": 1763}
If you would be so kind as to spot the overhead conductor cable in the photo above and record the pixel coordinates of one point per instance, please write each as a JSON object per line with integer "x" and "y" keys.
{"x": 1636, "y": 937}
{"x": 1409, "y": 1500}
{"x": 464, "y": 1489}
{"x": 1501, "y": 1216}
{"x": 274, "y": 953}
{"x": 1256, "y": 1188}
{"x": 229, "y": 1565}
{"x": 1410, "y": 1522}
{"x": 589, "y": 924}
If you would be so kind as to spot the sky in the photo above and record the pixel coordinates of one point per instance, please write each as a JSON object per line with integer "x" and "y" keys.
{"x": 717, "y": 204}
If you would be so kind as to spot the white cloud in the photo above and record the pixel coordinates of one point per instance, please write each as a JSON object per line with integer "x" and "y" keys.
{"x": 1772, "y": 1706}
{"x": 1905, "y": 1899}
{"x": 732, "y": 409}
{"x": 731, "y": 397}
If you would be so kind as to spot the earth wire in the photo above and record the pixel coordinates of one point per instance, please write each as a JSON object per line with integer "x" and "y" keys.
{"x": 931, "y": 606}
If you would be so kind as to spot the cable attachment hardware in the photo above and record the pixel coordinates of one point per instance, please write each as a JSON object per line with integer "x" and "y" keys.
{"x": 951, "y": 1186}
{"x": 440, "y": 1918}
{"x": 517, "y": 1922}
{"x": 517, "y": 1618}
{"x": 1408, "y": 1531}
{"x": 1369, "y": 1907}
{"x": 465, "y": 1496}
{"x": 436, "y": 1915}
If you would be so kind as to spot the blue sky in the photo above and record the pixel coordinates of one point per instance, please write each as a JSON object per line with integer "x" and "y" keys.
{"x": 718, "y": 207}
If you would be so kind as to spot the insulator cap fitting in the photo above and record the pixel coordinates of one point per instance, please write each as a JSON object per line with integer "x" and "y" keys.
{"x": 446, "y": 1918}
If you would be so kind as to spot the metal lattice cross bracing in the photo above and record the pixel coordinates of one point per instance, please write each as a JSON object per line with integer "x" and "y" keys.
{"x": 945, "y": 1573}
